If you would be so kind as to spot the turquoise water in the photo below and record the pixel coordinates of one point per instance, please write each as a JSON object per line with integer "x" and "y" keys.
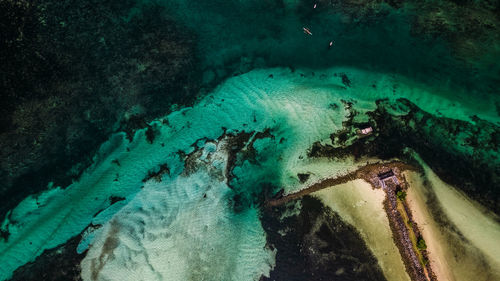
{"x": 268, "y": 93}
{"x": 297, "y": 110}
{"x": 263, "y": 33}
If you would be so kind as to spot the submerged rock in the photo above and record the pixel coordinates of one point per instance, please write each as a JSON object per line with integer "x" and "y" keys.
{"x": 316, "y": 244}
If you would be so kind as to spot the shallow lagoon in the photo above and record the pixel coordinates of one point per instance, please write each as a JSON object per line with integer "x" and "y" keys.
{"x": 295, "y": 108}
{"x": 300, "y": 102}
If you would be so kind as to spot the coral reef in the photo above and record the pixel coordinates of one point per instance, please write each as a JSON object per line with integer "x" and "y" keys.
{"x": 63, "y": 262}
{"x": 72, "y": 73}
{"x": 317, "y": 244}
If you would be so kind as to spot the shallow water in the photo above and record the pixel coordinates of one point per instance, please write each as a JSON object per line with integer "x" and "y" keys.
{"x": 462, "y": 236}
{"x": 192, "y": 183}
{"x": 362, "y": 206}
{"x": 251, "y": 102}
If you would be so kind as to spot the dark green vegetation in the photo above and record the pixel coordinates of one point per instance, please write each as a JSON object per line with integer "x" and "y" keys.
{"x": 401, "y": 195}
{"x": 461, "y": 153}
{"x": 75, "y": 71}
{"x": 317, "y": 245}
{"x": 421, "y": 244}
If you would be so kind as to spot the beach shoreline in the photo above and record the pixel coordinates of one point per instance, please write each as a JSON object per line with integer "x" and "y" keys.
{"x": 404, "y": 234}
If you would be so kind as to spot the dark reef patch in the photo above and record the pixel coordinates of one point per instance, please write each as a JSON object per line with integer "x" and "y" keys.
{"x": 317, "y": 245}
{"x": 72, "y": 73}
{"x": 4, "y": 234}
{"x": 114, "y": 199}
{"x": 61, "y": 263}
{"x": 303, "y": 177}
{"x": 163, "y": 169}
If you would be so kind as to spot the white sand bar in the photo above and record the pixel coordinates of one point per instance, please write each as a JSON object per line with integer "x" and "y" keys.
{"x": 462, "y": 238}
{"x": 362, "y": 206}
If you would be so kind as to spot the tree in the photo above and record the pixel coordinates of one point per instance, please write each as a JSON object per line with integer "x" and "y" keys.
{"x": 401, "y": 195}
{"x": 421, "y": 244}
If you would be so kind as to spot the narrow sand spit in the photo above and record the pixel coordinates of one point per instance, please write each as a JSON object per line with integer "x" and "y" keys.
{"x": 361, "y": 206}
{"x": 462, "y": 240}
{"x": 416, "y": 199}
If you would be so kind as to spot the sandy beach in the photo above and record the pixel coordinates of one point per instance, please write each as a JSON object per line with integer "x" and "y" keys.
{"x": 462, "y": 240}
{"x": 416, "y": 199}
{"x": 361, "y": 206}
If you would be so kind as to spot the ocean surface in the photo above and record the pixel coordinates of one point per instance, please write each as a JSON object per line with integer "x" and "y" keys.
{"x": 143, "y": 140}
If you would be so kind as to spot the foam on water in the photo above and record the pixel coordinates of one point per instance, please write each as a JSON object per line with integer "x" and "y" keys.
{"x": 296, "y": 108}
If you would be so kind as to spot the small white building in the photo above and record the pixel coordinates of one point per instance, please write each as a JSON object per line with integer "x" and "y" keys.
{"x": 364, "y": 132}
{"x": 367, "y": 131}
